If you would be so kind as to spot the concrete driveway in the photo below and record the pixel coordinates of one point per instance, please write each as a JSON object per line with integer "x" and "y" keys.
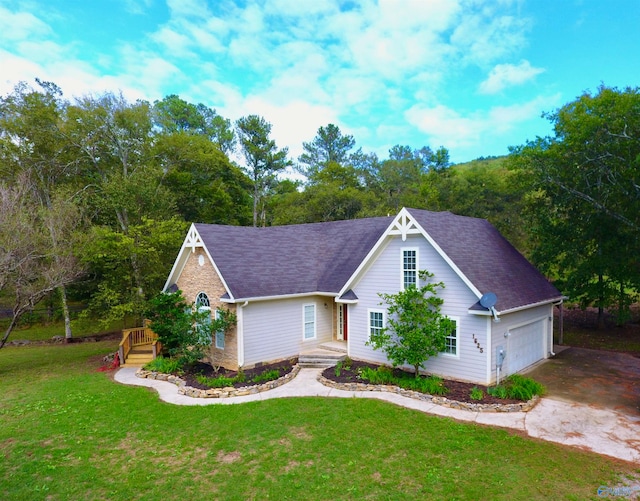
{"x": 600, "y": 379}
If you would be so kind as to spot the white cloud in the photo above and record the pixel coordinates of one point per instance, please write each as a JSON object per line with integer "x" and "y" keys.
{"x": 506, "y": 75}
{"x": 446, "y": 126}
{"x": 137, "y": 6}
{"x": 484, "y": 35}
{"x": 20, "y": 26}
{"x": 299, "y": 64}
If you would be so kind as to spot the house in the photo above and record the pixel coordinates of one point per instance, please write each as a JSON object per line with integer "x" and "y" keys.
{"x": 296, "y": 287}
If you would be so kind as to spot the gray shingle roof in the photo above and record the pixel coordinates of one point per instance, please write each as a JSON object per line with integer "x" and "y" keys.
{"x": 295, "y": 259}
{"x": 487, "y": 259}
{"x": 321, "y": 257}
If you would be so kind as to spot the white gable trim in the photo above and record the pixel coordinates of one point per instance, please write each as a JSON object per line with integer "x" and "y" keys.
{"x": 404, "y": 224}
{"x": 192, "y": 241}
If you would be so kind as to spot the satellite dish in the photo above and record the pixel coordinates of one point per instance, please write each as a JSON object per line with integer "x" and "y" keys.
{"x": 488, "y": 300}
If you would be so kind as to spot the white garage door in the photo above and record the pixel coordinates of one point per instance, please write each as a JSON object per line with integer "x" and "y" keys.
{"x": 526, "y": 345}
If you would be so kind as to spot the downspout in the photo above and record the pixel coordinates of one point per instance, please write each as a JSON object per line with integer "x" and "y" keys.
{"x": 240, "y": 332}
{"x": 560, "y": 305}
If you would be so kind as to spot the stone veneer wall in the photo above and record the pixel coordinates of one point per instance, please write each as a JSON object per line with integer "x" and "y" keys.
{"x": 195, "y": 279}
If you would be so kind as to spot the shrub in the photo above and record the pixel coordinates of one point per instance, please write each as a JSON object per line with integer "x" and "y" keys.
{"x": 476, "y": 393}
{"x": 215, "y": 382}
{"x": 265, "y": 376}
{"x": 432, "y": 385}
{"x": 172, "y": 319}
{"x": 164, "y": 365}
{"x": 498, "y": 391}
{"x": 338, "y": 368}
{"x": 381, "y": 375}
{"x": 523, "y": 388}
{"x": 517, "y": 387}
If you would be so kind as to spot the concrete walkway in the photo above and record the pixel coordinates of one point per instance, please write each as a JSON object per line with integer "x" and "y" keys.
{"x": 598, "y": 430}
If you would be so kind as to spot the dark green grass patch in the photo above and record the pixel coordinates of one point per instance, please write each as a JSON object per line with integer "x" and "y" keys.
{"x": 70, "y": 432}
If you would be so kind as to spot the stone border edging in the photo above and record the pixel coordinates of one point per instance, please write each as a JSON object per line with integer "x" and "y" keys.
{"x": 226, "y": 392}
{"x": 445, "y": 402}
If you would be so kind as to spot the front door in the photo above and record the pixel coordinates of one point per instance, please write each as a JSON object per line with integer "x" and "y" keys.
{"x": 342, "y": 322}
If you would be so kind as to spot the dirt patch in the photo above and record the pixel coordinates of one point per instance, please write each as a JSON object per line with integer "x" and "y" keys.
{"x": 457, "y": 390}
{"x": 228, "y": 457}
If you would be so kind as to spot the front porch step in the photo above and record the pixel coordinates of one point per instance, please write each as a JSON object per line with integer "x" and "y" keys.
{"x": 320, "y": 358}
{"x": 339, "y": 346}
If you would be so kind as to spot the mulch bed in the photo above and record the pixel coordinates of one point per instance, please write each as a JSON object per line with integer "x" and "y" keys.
{"x": 458, "y": 391}
{"x": 207, "y": 370}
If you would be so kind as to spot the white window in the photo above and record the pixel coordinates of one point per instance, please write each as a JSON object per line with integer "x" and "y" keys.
{"x": 219, "y": 334}
{"x": 202, "y": 301}
{"x": 203, "y": 305}
{"x": 452, "y": 341}
{"x": 376, "y": 322}
{"x": 409, "y": 268}
{"x": 309, "y": 321}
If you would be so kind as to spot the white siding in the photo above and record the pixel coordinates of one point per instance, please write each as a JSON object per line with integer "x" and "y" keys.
{"x": 528, "y": 341}
{"x": 273, "y": 330}
{"x": 383, "y": 276}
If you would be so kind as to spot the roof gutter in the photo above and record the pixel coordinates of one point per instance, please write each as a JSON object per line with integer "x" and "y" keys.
{"x": 494, "y": 313}
{"x": 272, "y": 298}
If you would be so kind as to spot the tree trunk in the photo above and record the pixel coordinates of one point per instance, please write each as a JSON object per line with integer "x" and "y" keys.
{"x": 601, "y": 303}
{"x": 67, "y": 318}
{"x": 14, "y": 321}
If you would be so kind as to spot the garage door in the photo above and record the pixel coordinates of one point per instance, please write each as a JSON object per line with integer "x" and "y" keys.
{"x": 526, "y": 345}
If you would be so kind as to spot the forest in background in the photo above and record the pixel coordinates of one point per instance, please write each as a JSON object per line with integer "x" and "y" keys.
{"x": 96, "y": 193}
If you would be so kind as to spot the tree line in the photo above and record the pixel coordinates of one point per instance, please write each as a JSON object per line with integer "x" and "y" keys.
{"x": 96, "y": 192}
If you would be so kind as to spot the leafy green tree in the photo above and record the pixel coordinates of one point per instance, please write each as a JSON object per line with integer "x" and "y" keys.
{"x": 175, "y": 321}
{"x": 186, "y": 333}
{"x": 416, "y": 328}
{"x": 329, "y": 146}
{"x": 32, "y": 263}
{"x": 336, "y": 193}
{"x": 207, "y": 187}
{"x": 174, "y": 114}
{"x": 584, "y": 201}
{"x": 120, "y": 290}
{"x": 34, "y": 150}
{"x": 264, "y": 161}
{"x": 486, "y": 189}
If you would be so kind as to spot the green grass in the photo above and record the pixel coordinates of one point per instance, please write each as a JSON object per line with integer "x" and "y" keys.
{"x": 43, "y": 332}
{"x": 70, "y": 432}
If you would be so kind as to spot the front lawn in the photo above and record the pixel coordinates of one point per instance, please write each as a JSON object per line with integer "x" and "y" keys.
{"x": 70, "y": 432}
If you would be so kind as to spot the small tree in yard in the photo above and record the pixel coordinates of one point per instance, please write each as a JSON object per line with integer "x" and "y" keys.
{"x": 416, "y": 329}
{"x": 184, "y": 331}
{"x": 172, "y": 319}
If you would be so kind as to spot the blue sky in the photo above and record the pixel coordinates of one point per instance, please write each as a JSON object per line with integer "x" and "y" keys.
{"x": 471, "y": 75}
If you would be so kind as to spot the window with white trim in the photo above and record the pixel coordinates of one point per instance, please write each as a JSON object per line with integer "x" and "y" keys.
{"x": 219, "y": 334}
{"x": 376, "y": 322}
{"x": 452, "y": 341}
{"x": 202, "y": 301}
{"x": 409, "y": 268}
{"x": 309, "y": 321}
{"x": 203, "y": 305}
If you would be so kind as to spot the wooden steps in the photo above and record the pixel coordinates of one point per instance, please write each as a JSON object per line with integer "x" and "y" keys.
{"x": 138, "y": 356}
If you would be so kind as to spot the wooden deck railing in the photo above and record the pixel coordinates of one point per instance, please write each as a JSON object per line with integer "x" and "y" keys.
{"x": 136, "y": 337}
